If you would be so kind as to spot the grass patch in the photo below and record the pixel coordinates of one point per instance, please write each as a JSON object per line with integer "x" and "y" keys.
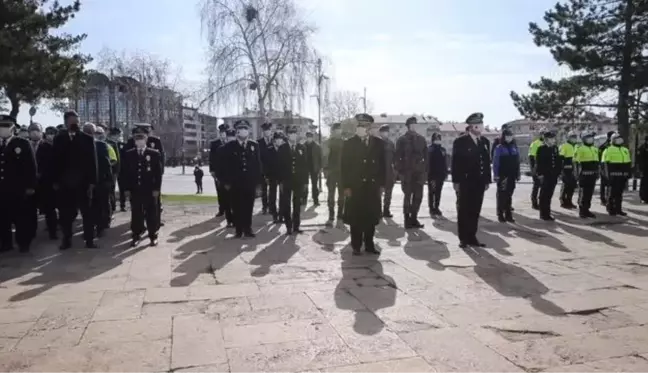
{"x": 189, "y": 198}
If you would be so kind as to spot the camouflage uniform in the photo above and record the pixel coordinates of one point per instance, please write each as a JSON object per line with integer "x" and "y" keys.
{"x": 411, "y": 165}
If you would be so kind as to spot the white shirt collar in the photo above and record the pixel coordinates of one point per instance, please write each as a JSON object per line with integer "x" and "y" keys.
{"x": 6, "y": 141}
{"x": 473, "y": 137}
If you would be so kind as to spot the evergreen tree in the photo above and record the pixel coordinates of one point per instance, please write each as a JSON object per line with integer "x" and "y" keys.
{"x": 34, "y": 64}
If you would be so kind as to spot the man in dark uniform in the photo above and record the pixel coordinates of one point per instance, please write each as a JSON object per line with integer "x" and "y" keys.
{"x": 390, "y": 172}
{"x": 411, "y": 165}
{"x": 241, "y": 176}
{"x": 74, "y": 174}
{"x": 566, "y": 152}
{"x": 214, "y": 147}
{"x": 314, "y": 162}
{"x": 604, "y": 181}
{"x": 293, "y": 175}
{"x": 23, "y": 132}
{"x": 17, "y": 187}
{"x": 45, "y": 192}
{"x": 586, "y": 170}
{"x": 265, "y": 145}
{"x": 225, "y": 195}
{"x": 363, "y": 181}
{"x": 271, "y": 172}
{"x": 548, "y": 169}
{"x": 114, "y": 140}
{"x": 35, "y": 137}
{"x": 642, "y": 163}
{"x": 332, "y": 172}
{"x": 142, "y": 170}
{"x": 471, "y": 177}
{"x": 101, "y": 208}
{"x": 437, "y": 173}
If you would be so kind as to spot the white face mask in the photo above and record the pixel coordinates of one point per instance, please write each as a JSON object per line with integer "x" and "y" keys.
{"x": 267, "y": 133}
{"x": 384, "y": 135}
{"x": 231, "y": 139}
{"x": 337, "y": 132}
{"x": 49, "y": 138}
{"x": 476, "y": 129}
{"x": 223, "y": 135}
{"x": 508, "y": 138}
{"x": 588, "y": 141}
{"x": 6, "y": 132}
{"x": 436, "y": 142}
{"x": 618, "y": 141}
{"x": 292, "y": 137}
{"x": 550, "y": 142}
{"x": 35, "y": 135}
{"x": 243, "y": 134}
{"x": 361, "y": 131}
{"x": 278, "y": 142}
{"x": 23, "y": 134}
{"x": 140, "y": 143}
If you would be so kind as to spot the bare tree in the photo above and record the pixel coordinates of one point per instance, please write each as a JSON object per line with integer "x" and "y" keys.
{"x": 3, "y": 101}
{"x": 257, "y": 47}
{"x": 343, "y": 105}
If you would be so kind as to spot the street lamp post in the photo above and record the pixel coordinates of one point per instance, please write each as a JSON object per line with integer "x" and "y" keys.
{"x": 32, "y": 112}
{"x": 320, "y": 78}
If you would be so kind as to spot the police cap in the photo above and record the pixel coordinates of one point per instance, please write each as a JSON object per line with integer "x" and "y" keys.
{"x": 230, "y": 132}
{"x": 291, "y": 129}
{"x": 309, "y": 134}
{"x": 7, "y": 120}
{"x": 266, "y": 126}
{"x": 278, "y": 135}
{"x": 60, "y": 127}
{"x": 609, "y": 134}
{"x": 223, "y": 128}
{"x": 364, "y": 118}
{"x": 140, "y": 130}
{"x": 549, "y": 135}
{"x": 69, "y": 114}
{"x": 336, "y": 126}
{"x": 507, "y": 132}
{"x": 35, "y": 127}
{"x": 436, "y": 136}
{"x": 410, "y": 121}
{"x": 50, "y": 130}
{"x": 475, "y": 118}
{"x": 384, "y": 128}
{"x": 115, "y": 131}
{"x": 242, "y": 124}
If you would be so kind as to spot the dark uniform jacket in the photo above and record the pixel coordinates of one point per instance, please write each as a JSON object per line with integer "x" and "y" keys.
{"x": 411, "y": 157}
{"x": 642, "y": 158}
{"x": 17, "y": 167}
{"x": 390, "y": 165}
{"x": 153, "y": 143}
{"x": 271, "y": 166}
{"x": 241, "y": 164}
{"x": 506, "y": 161}
{"x": 548, "y": 163}
{"x": 292, "y": 164}
{"x": 313, "y": 156}
{"x": 74, "y": 163}
{"x": 104, "y": 168}
{"x": 363, "y": 172}
{"x": 471, "y": 160}
{"x": 264, "y": 147}
{"x": 334, "y": 158}
{"x": 142, "y": 173}
{"x": 116, "y": 147}
{"x": 214, "y": 146}
{"x": 438, "y": 166}
{"x": 44, "y": 152}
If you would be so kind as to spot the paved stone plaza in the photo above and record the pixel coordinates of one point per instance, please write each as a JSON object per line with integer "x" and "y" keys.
{"x": 560, "y": 296}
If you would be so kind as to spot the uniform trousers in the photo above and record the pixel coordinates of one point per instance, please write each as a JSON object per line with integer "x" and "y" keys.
{"x": 603, "y": 189}
{"x": 568, "y": 187}
{"x": 47, "y": 204}
{"x": 504, "y": 196}
{"x": 314, "y": 179}
{"x": 333, "y": 185}
{"x": 547, "y": 189}
{"x": 616, "y": 185}
{"x": 264, "y": 194}
{"x": 272, "y": 197}
{"x": 535, "y": 190}
{"x": 586, "y": 186}
{"x": 144, "y": 210}
{"x": 71, "y": 201}
{"x": 242, "y": 206}
{"x": 225, "y": 203}
{"x": 112, "y": 196}
{"x": 469, "y": 203}
{"x": 101, "y": 208}
{"x": 291, "y": 202}
{"x": 387, "y": 197}
{"x": 643, "y": 188}
{"x": 19, "y": 211}
{"x": 435, "y": 187}
{"x": 220, "y": 193}
{"x": 413, "y": 191}
{"x": 362, "y": 234}
{"x": 122, "y": 196}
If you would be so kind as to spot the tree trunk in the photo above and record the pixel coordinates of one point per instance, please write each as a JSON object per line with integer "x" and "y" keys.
{"x": 261, "y": 118}
{"x": 15, "y": 106}
{"x": 623, "y": 110}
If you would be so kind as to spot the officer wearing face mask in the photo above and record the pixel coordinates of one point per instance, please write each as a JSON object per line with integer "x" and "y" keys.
{"x": 241, "y": 176}
{"x": 603, "y": 188}
{"x": 332, "y": 173}
{"x": 225, "y": 195}
{"x": 506, "y": 171}
{"x": 437, "y": 173}
{"x": 114, "y": 140}
{"x": 314, "y": 163}
{"x": 265, "y": 145}
{"x": 142, "y": 170}
{"x": 17, "y": 187}
{"x": 45, "y": 192}
{"x": 533, "y": 151}
{"x": 74, "y": 174}
{"x": 390, "y": 170}
{"x": 292, "y": 176}
{"x": 35, "y": 140}
{"x": 548, "y": 170}
{"x": 471, "y": 177}
{"x": 566, "y": 152}
{"x": 106, "y": 158}
{"x": 23, "y": 132}
{"x": 363, "y": 181}
{"x": 617, "y": 168}
{"x": 214, "y": 147}
{"x": 586, "y": 171}
{"x": 412, "y": 166}
{"x": 271, "y": 171}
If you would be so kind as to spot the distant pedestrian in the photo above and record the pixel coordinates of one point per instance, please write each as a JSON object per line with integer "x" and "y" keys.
{"x": 198, "y": 176}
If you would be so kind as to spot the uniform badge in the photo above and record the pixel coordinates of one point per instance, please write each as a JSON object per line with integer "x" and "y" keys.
{"x": 252, "y": 147}
{"x": 152, "y": 145}
{"x": 18, "y": 151}
{"x": 299, "y": 151}
{"x": 148, "y": 169}
{"x": 148, "y": 158}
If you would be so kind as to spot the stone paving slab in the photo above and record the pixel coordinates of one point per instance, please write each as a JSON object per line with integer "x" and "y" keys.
{"x": 564, "y": 296}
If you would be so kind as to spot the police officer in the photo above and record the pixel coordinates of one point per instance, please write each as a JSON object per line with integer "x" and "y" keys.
{"x": 363, "y": 180}
{"x": 548, "y": 169}
{"x": 506, "y": 170}
{"x": 293, "y": 175}
{"x": 411, "y": 165}
{"x": 45, "y": 191}
{"x": 471, "y": 177}
{"x": 224, "y": 196}
{"x": 533, "y": 151}
{"x": 390, "y": 172}
{"x": 603, "y": 192}
{"x": 314, "y": 162}
{"x": 241, "y": 176}
{"x": 617, "y": 167}
{"x": 586, "y": 170}
{"x": 142, "y": 170}
{"x": 437, "y": 173}
{"x": 214, "y": 147}
{"x": 106, "y": 158}
{"x": 17, "y": 187}
{"x": 642, "y": 163}
{"x": 266, "y": 144}
{"x": 114, "y": 140}
{"x": 272, "y": 172}
{"x": 566, "y": 152}
{"x": 35, "y": 137}
{"x": 332, "y": 172}
{"x": 498, "y": 140}
{"x": 23, "y": 132}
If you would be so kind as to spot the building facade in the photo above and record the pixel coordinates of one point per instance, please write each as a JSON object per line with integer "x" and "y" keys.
{"x": 277, "y": 118}
{"x": 198, "y": 130}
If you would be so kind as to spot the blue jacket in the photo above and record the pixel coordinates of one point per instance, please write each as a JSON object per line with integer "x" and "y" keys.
{"x": 506, "y": 161}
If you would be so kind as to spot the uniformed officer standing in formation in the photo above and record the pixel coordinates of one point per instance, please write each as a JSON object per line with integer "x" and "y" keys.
{"x": 568, "y": 187}
{"x": 74, "y": 174}
{"x": 498, "y": 140}
{"x": 642, "y": 163}
{"x": 603, "y": 192}
{"x": 412, "y": 167}
{"x": 363, "y": 181}
{"x": 437, "y": 173}
{"x": 224, "y": 195}
{"x": 241, "y": 176}
{"x": 617, "y": 169}
{"x": 142, "y": 184}
{"x": 548, "y": 170}
{"x": 18, "y": 182}
{"x": 23, "y": 132}
{"x": 314, "y": 162}
{"x": 390, "y": 171}
{"x": 106, "y": 159}
{"x": 586, "y": 170}
{"x": 114, "y": 140}
{"x": 272, "y": 171}
{"x": 471, "y": 177}
{"x": 333, "y": 177}
{"x": 214, "y": 147}
{"x": 293, "y": 176}
{"x": 533, "y": 151}
{"x": 266, "y": 143}
{"x": 35, "y": 140}
{"x": 506, "y": 171}
{"x": 45, "y": 193}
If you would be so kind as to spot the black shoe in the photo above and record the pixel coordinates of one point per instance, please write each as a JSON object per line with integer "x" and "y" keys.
{"x": 220, "y": 213}
{"x": 154, "y": 242}
{"x": 249, "y": 234}
{"x": 535, "y": 206}
{"x": 509, "y": 218}
{"x": 161, "y": 224}
{"x": 289, "y": 231}
{"x": 387, "y": 214}
{"x": 416, "y": 224}
{"x": 275, "y": 220}
{"x": 548, "y": 218}
{"x": 66, "y": 244}
{"x": 91, "y": 245}
{"x": 463, "y": 245}
{"x": 357, "y": 252}
{"x": 622, "y": 213}
{"x": 315, "y": 203}
{"x": 329, "y": 223}
{"x": 238, "y": 235}
{"x": 512, "y": 209}
{"x": 568, "y": 206}
{"x": 100, "y": 233}
{"x": 297, "y": 231}
{"x": 372, "y": 251}
{"x": 501, "y": 219}
{"x": 230, "y": 225}
{"x": 135, "y": 241}
{"x": 477, "y": 244}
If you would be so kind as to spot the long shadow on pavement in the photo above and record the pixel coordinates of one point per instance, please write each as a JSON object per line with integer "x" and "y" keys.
{"x": 391, "y": 232}
{"x": 421, "y": 246}
{"x": 490, "y": 240}
{"x": 195, "y": 230}
{"x": 278, "y": 252}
